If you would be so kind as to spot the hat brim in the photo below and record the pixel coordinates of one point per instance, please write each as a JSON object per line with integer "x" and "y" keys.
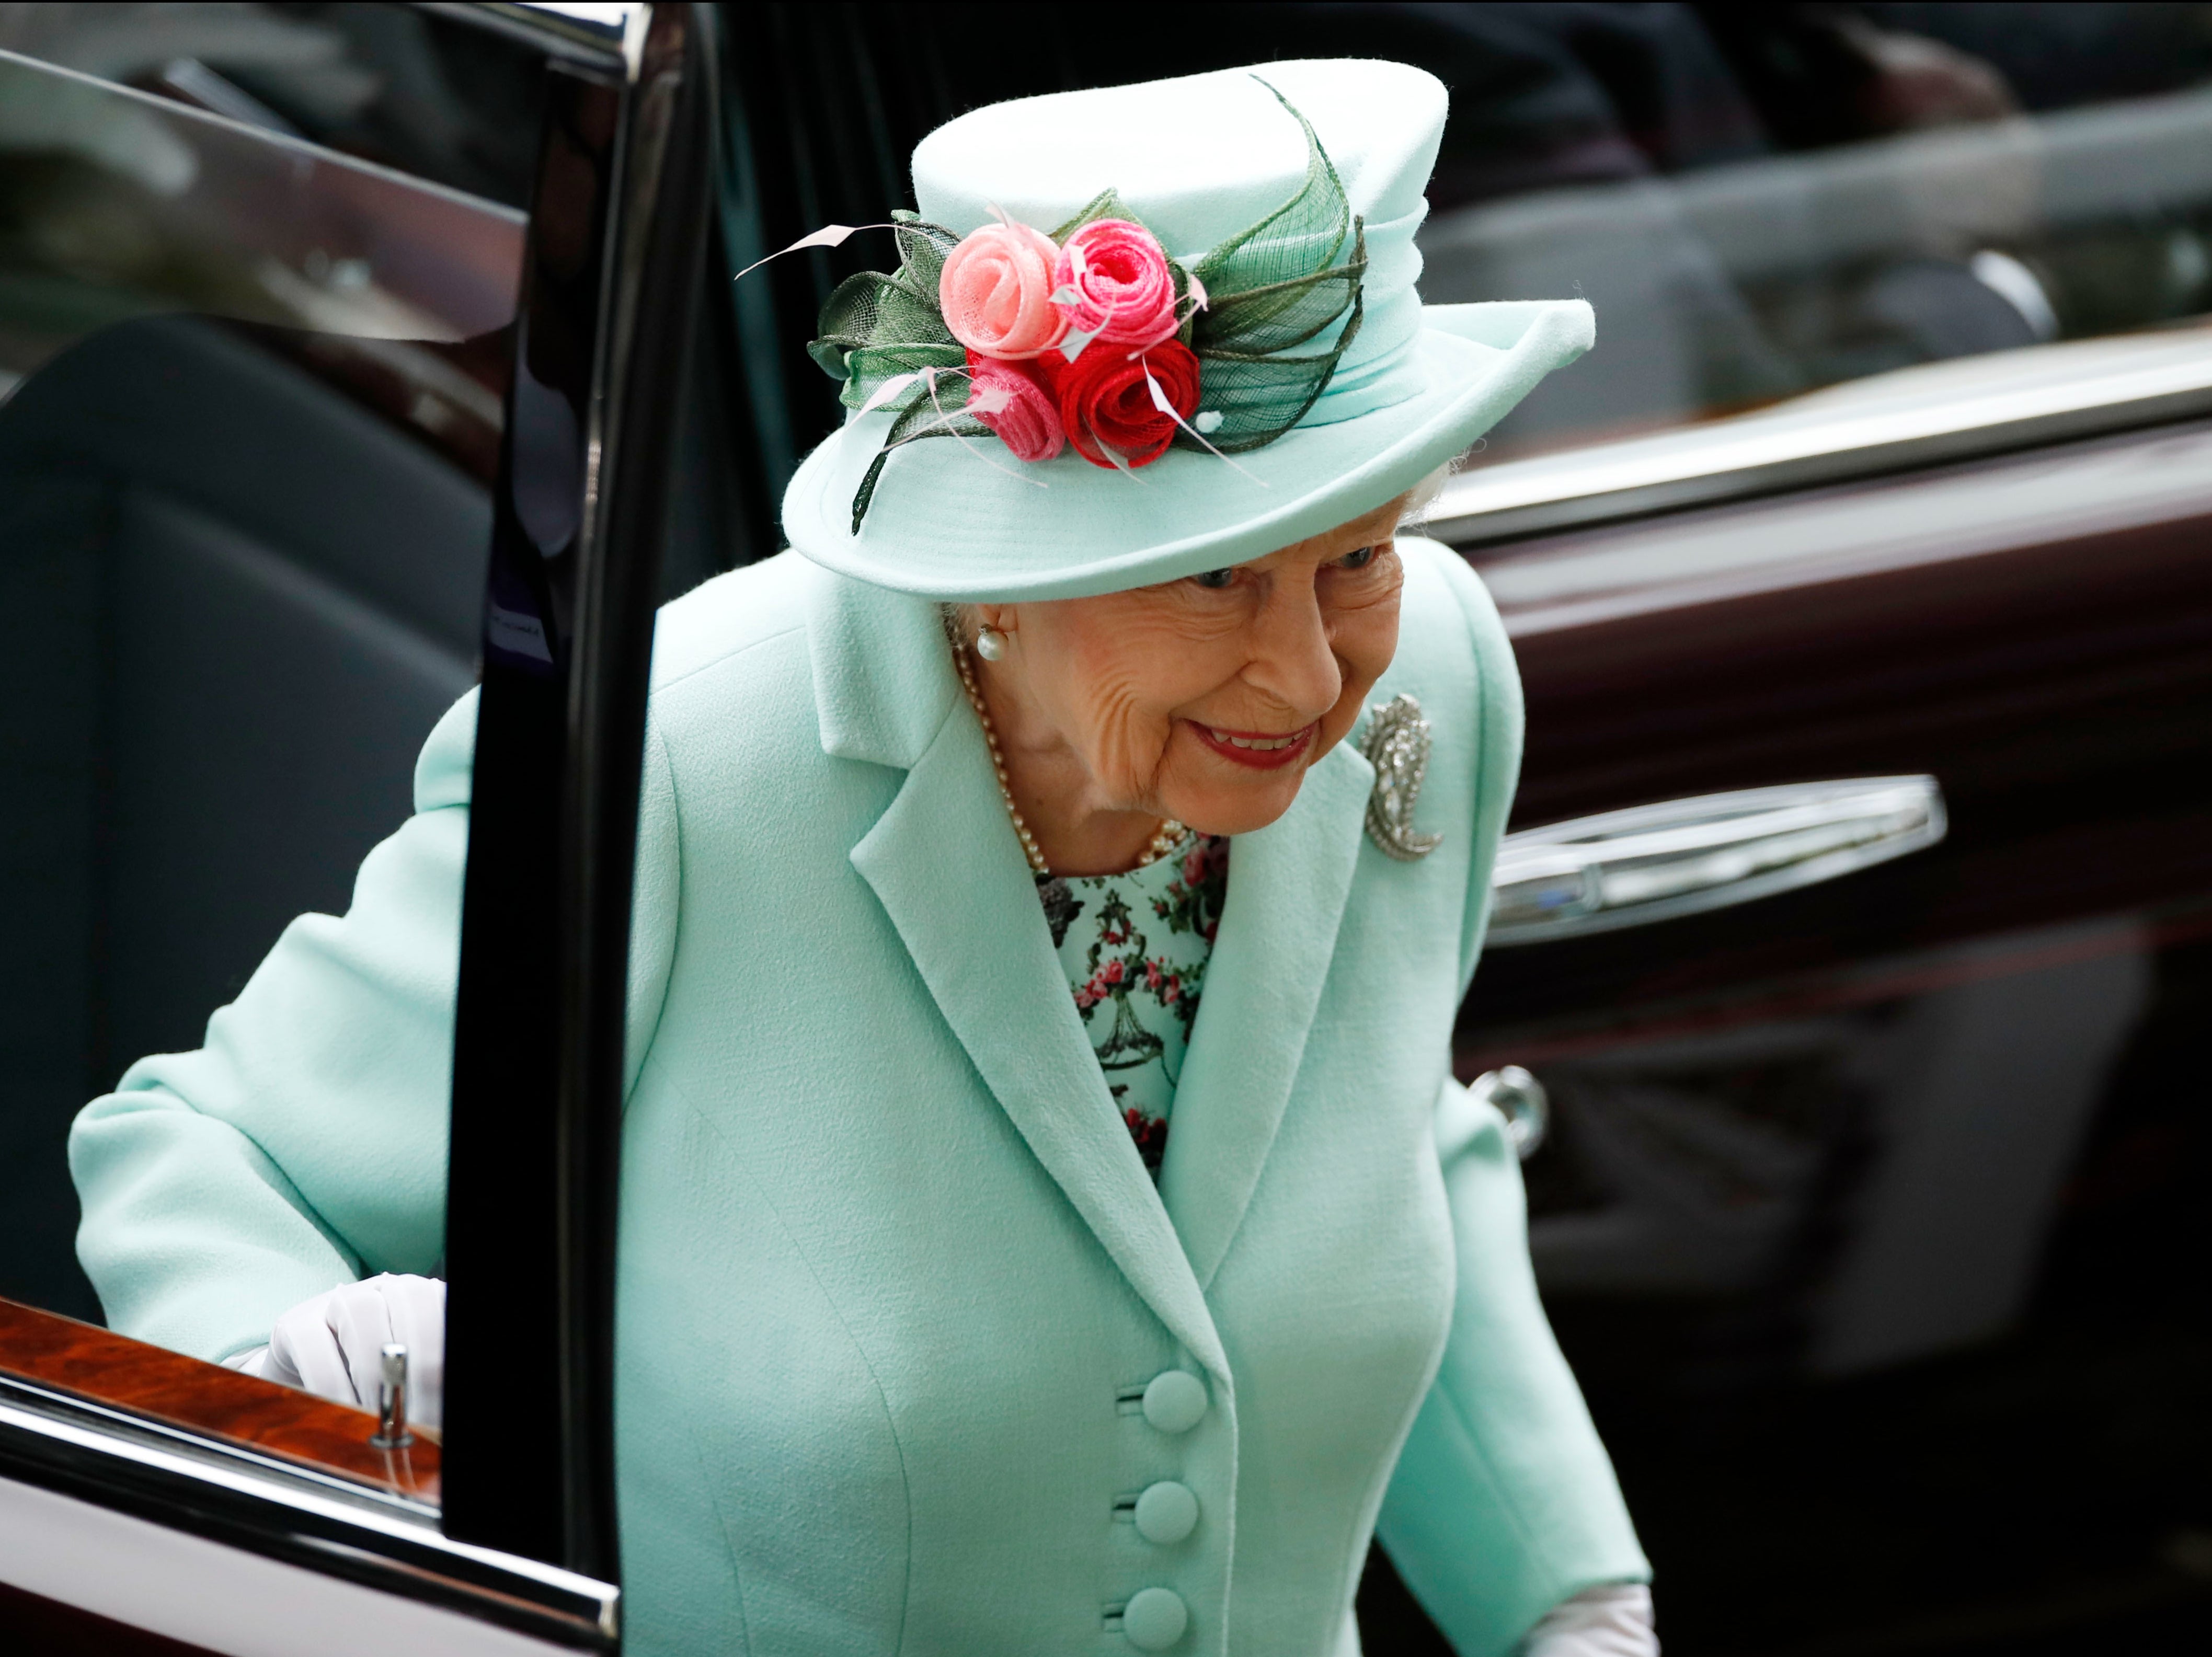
{"x": 945, "y": 524}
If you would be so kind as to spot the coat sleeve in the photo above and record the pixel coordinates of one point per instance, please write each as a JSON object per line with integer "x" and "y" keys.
{"x": 304, "y": 1145}
{"x": 1504, "y": 1502}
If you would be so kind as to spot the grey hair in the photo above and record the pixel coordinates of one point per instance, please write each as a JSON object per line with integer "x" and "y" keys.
{"x": 1414, "y": 516}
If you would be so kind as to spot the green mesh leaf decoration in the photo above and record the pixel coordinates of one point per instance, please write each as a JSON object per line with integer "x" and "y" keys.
{"x": 1261, "y": 394}
{"x": 1106, "y": 204}
{"x": 870, "y": 366}
{"x": 919, "y": 418}
{"x": 875, "y": 326}
{"x": 923, "y": 249}
{"x": 1270, "y": 289}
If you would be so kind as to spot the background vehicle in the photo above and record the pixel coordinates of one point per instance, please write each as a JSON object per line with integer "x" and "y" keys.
{"x": 1874, "y": 1196}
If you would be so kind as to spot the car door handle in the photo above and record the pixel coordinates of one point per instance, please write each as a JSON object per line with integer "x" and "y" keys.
{"x": 1655, "y": 862}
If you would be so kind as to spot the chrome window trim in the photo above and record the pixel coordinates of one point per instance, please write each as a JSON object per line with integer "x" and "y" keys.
{"x": 290, "y": 1513}
{"x": 611, "y": 37}
{"x": 124, "y": 1426}
{"x": 1890, "y": 422}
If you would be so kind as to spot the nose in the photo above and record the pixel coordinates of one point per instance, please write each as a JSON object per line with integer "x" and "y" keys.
{"x": 1293, "y": 661}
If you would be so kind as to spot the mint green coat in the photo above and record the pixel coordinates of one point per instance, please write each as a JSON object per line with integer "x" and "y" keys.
{"x": 891, "y": 1274}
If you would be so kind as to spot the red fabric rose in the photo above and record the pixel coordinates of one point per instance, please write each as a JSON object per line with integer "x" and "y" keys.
{"x": 1106, "y": 404}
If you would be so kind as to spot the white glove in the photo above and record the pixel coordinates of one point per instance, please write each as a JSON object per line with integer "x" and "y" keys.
{"x": 1609, "y": 1622}
{"x": 333, "y": 1344}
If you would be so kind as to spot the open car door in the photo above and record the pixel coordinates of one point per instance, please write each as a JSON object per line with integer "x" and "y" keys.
{"x": 339, "y": 351}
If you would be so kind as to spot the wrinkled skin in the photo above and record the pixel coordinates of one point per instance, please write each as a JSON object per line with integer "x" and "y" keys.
{"x": 1118, "y": 711}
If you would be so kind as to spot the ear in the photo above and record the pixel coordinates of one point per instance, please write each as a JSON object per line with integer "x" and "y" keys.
{"x": 1005, "y": 618}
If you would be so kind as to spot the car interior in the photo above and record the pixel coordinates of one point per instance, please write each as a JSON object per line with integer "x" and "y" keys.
{"x": 238, "y": 601}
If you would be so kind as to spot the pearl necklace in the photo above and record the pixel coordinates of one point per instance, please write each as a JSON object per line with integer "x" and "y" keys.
{"x": 1170, "y": 834}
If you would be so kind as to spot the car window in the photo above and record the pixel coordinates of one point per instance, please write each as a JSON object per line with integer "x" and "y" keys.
{"x": 1762, "y": 202}
{"x": 437, "y": 97}
{"x": 250, "y": 418}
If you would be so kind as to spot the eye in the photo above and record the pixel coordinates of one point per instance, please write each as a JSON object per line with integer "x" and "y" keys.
{"x": 1214, "y": 580}
{"x": 1359, "y": 558}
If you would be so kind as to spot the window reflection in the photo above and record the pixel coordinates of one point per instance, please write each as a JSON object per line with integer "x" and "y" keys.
{"x": 1821, "y": 194}
{"x": 251, "y": 409}
{"x": 400, "y": 86}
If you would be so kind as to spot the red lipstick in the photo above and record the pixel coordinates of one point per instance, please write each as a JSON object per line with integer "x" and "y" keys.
{"x": 1263, "y": 750}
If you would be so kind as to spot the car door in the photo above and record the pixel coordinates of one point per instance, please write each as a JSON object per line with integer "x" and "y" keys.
{"x": 340, "y": 354}
{"x": 1849, "y": 951}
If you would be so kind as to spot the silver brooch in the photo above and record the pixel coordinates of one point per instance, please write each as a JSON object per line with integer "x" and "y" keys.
{"x": 1398, "y": 747}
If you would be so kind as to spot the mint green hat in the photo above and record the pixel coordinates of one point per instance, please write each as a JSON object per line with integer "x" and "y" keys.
{"x": 1197, "y": 160}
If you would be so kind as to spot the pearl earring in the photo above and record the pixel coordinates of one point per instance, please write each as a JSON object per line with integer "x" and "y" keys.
{"x": 990, "y": 644}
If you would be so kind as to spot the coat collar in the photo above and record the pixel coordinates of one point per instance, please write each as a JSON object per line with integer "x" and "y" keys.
{"x": 887, "y": 693}
{"x": 1288, "y": 884}
{"x": 944, "y": 862}
{"x": 883, "y": 674}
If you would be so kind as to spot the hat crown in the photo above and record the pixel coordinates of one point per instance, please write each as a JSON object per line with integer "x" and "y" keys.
{"x": 1202, "y": 157}
{"x": 1197, "y": 158}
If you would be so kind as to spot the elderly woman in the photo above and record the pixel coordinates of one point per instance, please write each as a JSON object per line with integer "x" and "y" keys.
{"x": 1049, "y": 1222}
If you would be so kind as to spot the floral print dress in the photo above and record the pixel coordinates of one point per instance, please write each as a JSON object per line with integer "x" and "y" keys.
{"x": 1134, "y": 947}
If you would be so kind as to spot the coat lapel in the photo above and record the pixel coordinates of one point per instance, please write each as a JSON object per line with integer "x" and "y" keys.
{"x": 978, "y": 938}
{"x": 1287, "y": 888}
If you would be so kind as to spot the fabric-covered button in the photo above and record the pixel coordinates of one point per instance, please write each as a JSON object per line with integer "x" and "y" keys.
{"x": 1167, "y": 1512}
{"x": 1154, "y": 1618}
{"x": 1176, "y": 1401}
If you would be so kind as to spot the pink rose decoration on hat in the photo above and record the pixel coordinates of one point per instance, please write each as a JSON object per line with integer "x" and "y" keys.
{"x": 996, "y": 292}
{"x": 1013, "y": 401}
{"x": 1092, "y": 338}
{"x": 1113, "y": 281}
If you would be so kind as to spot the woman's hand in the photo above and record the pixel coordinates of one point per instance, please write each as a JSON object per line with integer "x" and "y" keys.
{"x": 1609, "y": 1622}
{"x": 333, "y": 1344}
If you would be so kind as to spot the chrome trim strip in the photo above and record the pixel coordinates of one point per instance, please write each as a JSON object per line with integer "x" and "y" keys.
{"x": 1654, "y": 862}
{"x": 123, "y": 1425}
{"x": 611, "y": 37}
{"x": 256, "y": 1502}
{"x": 1914, "y": 417}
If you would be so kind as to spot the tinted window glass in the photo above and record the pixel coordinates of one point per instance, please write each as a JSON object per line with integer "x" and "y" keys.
{"x": 251, "y": 414}
{"x": 401, "y": 86}
{"x": 1759, "y": 201}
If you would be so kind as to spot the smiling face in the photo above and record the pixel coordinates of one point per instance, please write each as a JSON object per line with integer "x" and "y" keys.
{"x": 1204, "y": 699}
